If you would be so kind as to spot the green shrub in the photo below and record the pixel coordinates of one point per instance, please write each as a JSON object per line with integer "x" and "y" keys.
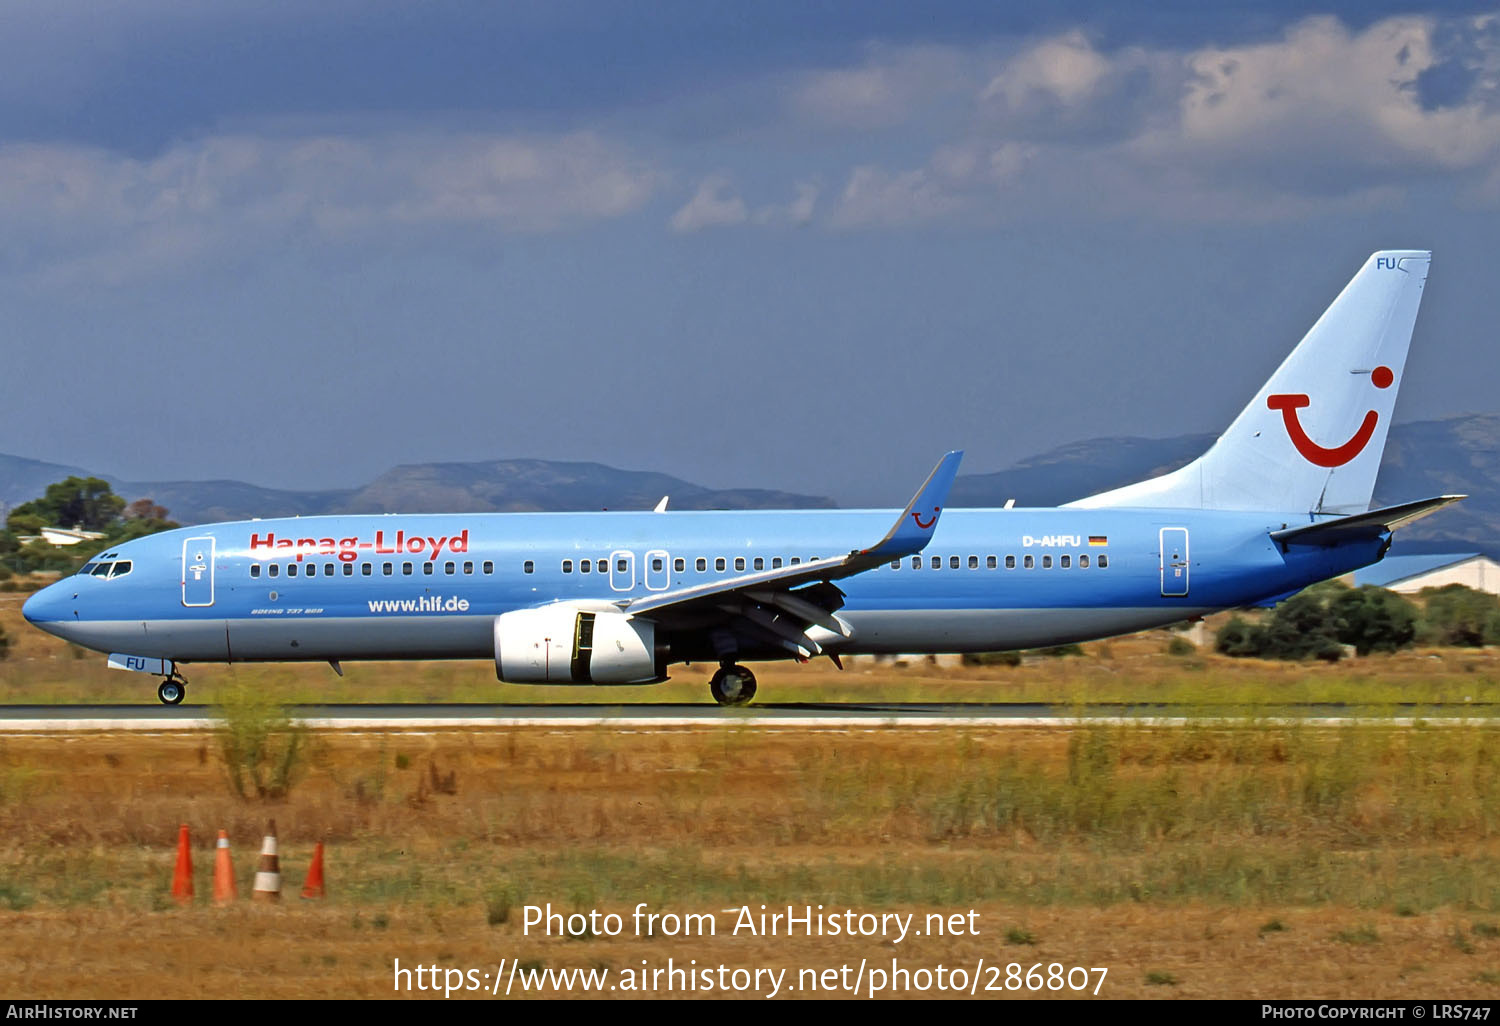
{"x": 1373, "y": 620}
{"x": 1461, "y": 616}
{"x": 992, "y": 659}
{"x": 1318, "y": 622}
{"x": 1181, "y": 647}
{"x": 264, "y": 750}
{"x": 1238, "y": 638}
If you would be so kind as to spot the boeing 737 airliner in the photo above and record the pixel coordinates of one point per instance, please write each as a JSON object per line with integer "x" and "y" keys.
{"x": 1279, "y": 502}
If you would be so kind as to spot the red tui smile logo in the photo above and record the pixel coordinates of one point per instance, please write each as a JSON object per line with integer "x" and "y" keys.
{"x": 930, "y": 520}
{"x": 1290, "y": 402}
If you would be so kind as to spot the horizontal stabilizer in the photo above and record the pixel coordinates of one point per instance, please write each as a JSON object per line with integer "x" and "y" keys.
{"x": 1362, "y": 525}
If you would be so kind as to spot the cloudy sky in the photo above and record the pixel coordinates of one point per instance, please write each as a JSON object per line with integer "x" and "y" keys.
{"x": 804, "y": 244}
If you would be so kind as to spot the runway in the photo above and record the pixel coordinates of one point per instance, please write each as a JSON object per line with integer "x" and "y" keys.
{"x": 32, "y": 719}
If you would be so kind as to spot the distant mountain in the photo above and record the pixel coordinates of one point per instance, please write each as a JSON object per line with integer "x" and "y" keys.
{"x": 1460, "y": 454}
{"x": 512, "y": 486}
{"x": 22, "y": 480}
{"x": 1073, "y": 471}
{"x": 488, "y": 487}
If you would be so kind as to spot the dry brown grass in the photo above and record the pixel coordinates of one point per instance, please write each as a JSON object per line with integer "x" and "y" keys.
{"x": 436, "y": 840}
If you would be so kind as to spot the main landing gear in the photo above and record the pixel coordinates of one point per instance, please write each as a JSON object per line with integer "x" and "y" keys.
{"x": 732, "y": 684}
{"x": 172, "y": 690}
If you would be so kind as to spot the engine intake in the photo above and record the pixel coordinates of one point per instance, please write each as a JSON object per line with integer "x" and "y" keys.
{"x": 565, "y": 645}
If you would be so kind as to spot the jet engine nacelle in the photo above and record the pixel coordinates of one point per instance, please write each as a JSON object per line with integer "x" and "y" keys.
{"x": 566, "y": 645}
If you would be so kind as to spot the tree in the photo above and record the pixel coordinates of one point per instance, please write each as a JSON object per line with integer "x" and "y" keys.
{"x": 1373, "y": 620}
{"x": 1238, "y": 638}
{"x": 145, "y": 509}
{"x": 87, "y": 503}
{"x": 4, "y": 644}
{"x": 1300, "y": 628}
{"x": 1457, "y": 615}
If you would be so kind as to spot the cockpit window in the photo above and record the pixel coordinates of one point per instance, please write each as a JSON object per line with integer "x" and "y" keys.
{"x": 102, "y": 569}
{"x": 86, "y": 569}
{"x": 121, "y": 569}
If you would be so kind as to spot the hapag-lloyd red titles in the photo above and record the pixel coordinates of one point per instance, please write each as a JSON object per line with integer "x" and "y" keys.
{"x": 348, "y": 549}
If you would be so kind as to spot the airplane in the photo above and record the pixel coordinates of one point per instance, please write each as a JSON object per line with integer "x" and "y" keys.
{"x": 1280, "y": 501}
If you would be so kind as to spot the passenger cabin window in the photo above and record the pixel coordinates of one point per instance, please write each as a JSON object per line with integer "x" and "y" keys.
{"x": 451, "y": 568}
{"x": 348, "y": 569}
{"x": 567, "y": 566}
{"x": 273, "y": 570}
{"x": 366, "y": 569}
{"x": 916, "y": 562}
{"x": 1083, "y": 562}
{"x": 739, "y": 562}
{"x": 291, "y": 569}
{"x": 1064, "y": 561}
{"x": 386, "y": 568}
{"x": 775, "y": 562}
{"x": 679, "y": 564}
{"x": 973, "y": 562}
{"x": 489, "y": 566}
{"x": 1010, "y": 562}
{"x": 406, "y": 569}
{"x": 895, "y": 564}
{"x": 937, "y": 562}
{"x": 468, "y": 567}
{"x": 427, "y": 569}
{"x": 1103, "y": 561}
{"x": 584, "y": 566}
{"x": 254, "y": 569}
{"x": 953, "y": 562}
{"x": 796, "y": 560}
{"x": 327, "y": 569}
{"x": 528, "y": 566}
{"x": 657, "y": 564}
{"x": 700, "y": 564}
{"x": 1029, "y": 562}
{"x": 620, "y": 566}
{"x": 1046, "y": 562}
{"x": 719, "y": 563}
{"x": 760, "y": 563}
{"x": 989, "y": 561}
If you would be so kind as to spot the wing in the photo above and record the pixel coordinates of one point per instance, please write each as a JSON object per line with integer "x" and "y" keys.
{"x": 779, "y": 607}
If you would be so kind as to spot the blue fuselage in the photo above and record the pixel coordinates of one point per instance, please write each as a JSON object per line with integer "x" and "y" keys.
{"x": 421, "y": 587}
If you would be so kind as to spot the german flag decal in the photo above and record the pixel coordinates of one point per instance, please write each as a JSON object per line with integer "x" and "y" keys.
{"x": 1098, "y": 539}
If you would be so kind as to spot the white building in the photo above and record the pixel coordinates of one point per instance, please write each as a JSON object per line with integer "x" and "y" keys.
{"x": 62, "y": 536}
{"x": 1409, "y": 574}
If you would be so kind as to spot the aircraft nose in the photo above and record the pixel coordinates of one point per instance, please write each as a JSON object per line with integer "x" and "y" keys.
{"x": 51, "y": 604}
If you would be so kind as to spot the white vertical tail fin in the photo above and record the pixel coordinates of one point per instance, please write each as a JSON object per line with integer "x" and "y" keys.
{"x": 1312, "y": 437}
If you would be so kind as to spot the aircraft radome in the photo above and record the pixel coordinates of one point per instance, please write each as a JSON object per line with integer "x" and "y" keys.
{"x": 1279, "y": 502}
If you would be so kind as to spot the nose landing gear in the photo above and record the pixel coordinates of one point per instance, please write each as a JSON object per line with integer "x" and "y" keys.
{"x": 172, "y": 690}
{"x": 732, "y": 684}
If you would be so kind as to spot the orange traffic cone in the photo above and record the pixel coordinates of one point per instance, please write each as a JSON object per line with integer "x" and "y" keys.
{"x": 268, "y": 873}
{"x": 313, "y": 888}
{"x": 182, "y": 874}
{"x": 225, "y": 889}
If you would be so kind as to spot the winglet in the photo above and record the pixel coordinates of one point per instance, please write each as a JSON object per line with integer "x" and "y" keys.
{"x": 913, "y": 529}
